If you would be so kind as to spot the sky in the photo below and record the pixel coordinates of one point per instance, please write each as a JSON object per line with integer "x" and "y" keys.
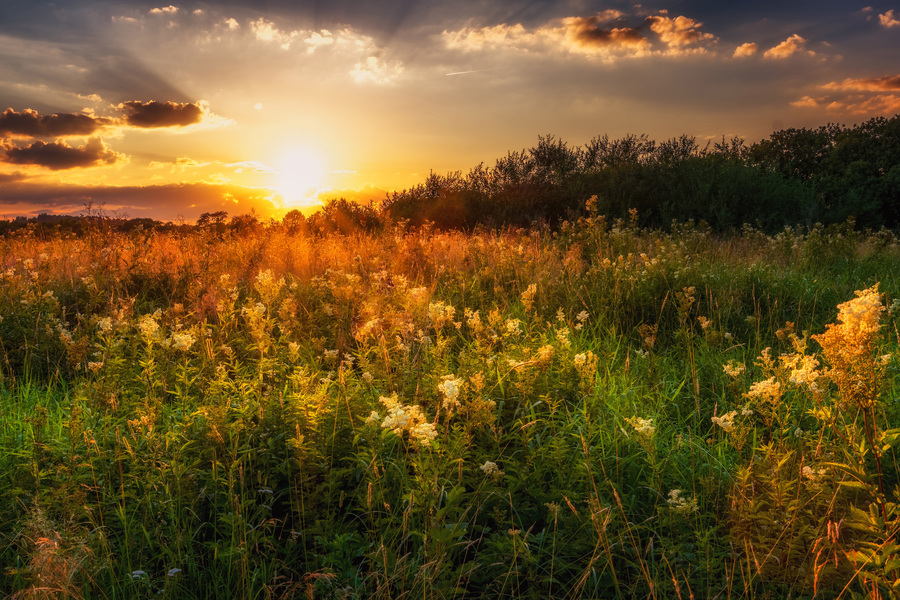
{"x": 168, "y": 111}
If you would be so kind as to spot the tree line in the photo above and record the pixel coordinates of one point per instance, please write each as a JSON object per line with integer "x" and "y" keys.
{"x": 800, "y": 176}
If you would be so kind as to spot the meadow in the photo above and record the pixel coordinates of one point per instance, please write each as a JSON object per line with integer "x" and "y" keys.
{"x": 593, "y": 410}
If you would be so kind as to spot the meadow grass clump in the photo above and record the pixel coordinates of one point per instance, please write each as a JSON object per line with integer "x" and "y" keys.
{"x": 594, "y": 411}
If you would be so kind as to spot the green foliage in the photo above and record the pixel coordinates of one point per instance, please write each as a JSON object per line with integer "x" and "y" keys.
{"x": 288, "y": 412}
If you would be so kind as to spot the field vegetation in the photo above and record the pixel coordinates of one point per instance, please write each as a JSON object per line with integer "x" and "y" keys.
{"x": 625, "y": 370}
{"x": 595, "y": 409}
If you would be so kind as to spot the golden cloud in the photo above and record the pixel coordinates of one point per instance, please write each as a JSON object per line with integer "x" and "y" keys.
{"x": 748, "y": 49}
{"x": 859, "y": 104}
{"x": 888, "y": 83}
{"x": 679, "y": 33}
{"x": 596, "y": 36}
{"x": 789, "y": 47}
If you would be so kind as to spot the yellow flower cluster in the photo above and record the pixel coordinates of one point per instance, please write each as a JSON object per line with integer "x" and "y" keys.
{"x": 528, "y": 297}
{"x": 726, "y": 421}
{"x": 402, "y": 418}
{"x": 733, "y": 369}
{"x": 768, "y": 391}
{"x": 849, "y": 348}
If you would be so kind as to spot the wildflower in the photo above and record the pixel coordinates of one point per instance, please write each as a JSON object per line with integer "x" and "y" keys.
{"x": 473, "y": 320}
{"x": 423, "y": 433}
{"x": 95, "y": 366}
{"x": 644, "y": 427}
{"x": 440, "y": 314}
{"x": 704, "y": 322}
{"x": 805, "y": 372}
{"x": 138, "y": 574}
{"x": 181, "y": 341}
{"x": 367, "y": 377}
{"x": 849, "y": 346}
{"x": 726, "y": 421}
{"x": 373, "y": 418}
{"x": 545, "y": 354}
{"x": 148, "y": 327}
{"x": 562, "y": 334}
{"x": 401, "y": 418}
{"x": 450, "y": 387}
{"x": 104, "y": 324}
{"x": 173, "y": 572}
{"x": 582, "y": 318}
{"x": 733, "y": 369}
{"x": 491, "y": 470}
{"x": 813, "y": 474}
{"x": 513, "y": 326}
{"x": 766, "y": 391}
{"x": 681, "y": 505}
{"x": 528, "y": 297}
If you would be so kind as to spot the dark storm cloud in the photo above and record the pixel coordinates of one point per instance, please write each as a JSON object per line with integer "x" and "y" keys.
{"x": 59, "y": 155}
{"x": 29, "y": 123}
{"x": 161, "y": 114}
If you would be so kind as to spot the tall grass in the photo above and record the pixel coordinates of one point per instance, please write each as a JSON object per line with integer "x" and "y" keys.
{"x": 529, "y": 413}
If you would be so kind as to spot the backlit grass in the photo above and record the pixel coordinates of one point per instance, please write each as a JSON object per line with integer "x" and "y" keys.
{"x": 588, "y": 412}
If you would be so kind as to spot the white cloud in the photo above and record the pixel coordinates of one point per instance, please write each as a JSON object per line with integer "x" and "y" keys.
{"x": 375, "y": 70}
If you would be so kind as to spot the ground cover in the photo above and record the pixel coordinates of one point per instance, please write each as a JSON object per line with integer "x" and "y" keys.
{"x": 592, "y": 411}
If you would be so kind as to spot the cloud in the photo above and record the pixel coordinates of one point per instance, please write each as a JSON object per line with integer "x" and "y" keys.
{"x": 888, "y": 20}
{"x": 602, "y": 36}
{"x": 888, "y": 83}
{"x": 679, "y": 33}
{"x": 375, "y": 70}
{"x": 587, "y": 32}
{"x": 162, "y": 114}
{"x": 59, "y": 155}
{"x": 748, "y": 49}
{"x": 16, "y": 176}
{"x": 29, "y": 123}
{"x": 858, "y": 104}
{"x": 165, "y": 10}
{"x": 266, "y": 31}
{"x": 179, "y": 165}
{"x": 793, "y": 45}
{"x": 857, "y": 96}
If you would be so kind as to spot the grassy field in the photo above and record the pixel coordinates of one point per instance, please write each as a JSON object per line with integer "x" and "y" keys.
{"x": 595, "y": 411}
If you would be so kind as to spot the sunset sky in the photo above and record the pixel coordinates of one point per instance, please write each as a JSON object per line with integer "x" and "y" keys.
{"x": 171, "y": 110}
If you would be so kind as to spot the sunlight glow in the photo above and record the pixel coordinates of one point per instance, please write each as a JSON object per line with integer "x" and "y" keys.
{"x": 300, "y": 176}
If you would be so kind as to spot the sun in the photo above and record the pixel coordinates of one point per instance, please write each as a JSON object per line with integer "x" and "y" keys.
{"x": 300, "y": 175}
